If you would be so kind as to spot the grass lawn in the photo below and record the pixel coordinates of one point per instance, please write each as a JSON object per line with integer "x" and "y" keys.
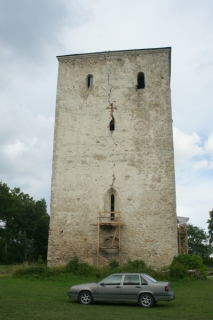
{"x": 22, "y": 299}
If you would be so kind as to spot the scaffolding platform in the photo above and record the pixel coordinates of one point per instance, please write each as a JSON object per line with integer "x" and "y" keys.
{"x": 182, "y": 235}
{"x": 109, "y": 220}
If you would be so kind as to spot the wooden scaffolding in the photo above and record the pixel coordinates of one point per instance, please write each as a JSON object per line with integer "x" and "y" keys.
{"x": 182, "y": 235}
{"x": 109, "y": 221}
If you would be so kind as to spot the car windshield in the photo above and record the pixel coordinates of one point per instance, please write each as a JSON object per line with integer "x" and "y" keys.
{"x": 150, "y": 278}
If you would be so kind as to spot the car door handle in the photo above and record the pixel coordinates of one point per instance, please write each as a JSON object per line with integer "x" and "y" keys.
{"x": 117, "y": 287}
{"x": 137, "y": 287}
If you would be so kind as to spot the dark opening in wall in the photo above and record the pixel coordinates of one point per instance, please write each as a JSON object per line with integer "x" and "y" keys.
{"x": 112, "y": 124}
{"x": 89, "y": 81}
{"x": 141, "y": 81}
{"x": 112, "y": 206}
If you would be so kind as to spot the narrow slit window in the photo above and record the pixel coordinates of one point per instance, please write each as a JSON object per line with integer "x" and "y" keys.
{"x": 141, "y": 81}
{"x": 89, "y": 81}
{"x": 112, "y": 206}
{"x": 112, "y": 124}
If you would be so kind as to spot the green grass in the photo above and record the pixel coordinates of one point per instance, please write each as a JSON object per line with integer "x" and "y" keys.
{"x": 22, "y": 299}
{"x": 8, "y": 269}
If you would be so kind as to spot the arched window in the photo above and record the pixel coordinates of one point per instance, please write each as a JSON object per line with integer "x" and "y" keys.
{"x": 112, "y": 206}
{"x": 111, "y": 197}
{"x": 141, "y": 81}
{"x": 112, "y": 124}
{"x": 89, "y": 81}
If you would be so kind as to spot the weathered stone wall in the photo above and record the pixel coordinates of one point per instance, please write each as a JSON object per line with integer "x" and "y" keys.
{"x": 136, "y": 159}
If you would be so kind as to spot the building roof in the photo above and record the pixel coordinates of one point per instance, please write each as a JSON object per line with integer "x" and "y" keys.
{"x": 116, "y": 51}
{"x": 129, "y": 51}
{"x": 182, "y": 220}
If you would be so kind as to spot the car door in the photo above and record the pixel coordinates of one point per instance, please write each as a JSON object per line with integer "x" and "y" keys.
{"x": 130, "y": 288}
{"x": 110, "y": 288}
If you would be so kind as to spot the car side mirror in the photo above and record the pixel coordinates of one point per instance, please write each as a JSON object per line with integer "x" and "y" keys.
{"x": 102, "y": 284}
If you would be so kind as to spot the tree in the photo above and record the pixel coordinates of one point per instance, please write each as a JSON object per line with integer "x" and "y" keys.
{"x": 210, "y": 227}
{"x": 198, "y": 242}
{"x": 24, "y": 225}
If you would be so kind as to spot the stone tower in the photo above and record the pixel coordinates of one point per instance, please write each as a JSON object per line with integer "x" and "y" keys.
{"x": 113, "y": 183}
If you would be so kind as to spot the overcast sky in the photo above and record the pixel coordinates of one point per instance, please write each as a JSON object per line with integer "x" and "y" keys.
{"x": 34, "y": 32}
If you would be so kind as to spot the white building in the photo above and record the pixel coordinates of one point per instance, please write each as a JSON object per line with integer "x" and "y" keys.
{"x": 113, "y": 158}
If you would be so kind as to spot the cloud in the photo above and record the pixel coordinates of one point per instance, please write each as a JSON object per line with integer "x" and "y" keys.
{"x": 30, "y": 28}
{"x": 192, "y": 150}
{"x": 30, "y": 25}
{"x": 33, "y": 32}
{"x": 26, "y": 152}
{"x": 209, "y": 145}
{"x": 193, "y": 200}
{"x": 194, "y": 176}
{"x": 186, "y": 145}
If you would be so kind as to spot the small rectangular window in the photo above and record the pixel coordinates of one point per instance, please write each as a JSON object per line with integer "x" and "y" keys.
{"x": 141, "y": 81}
{"x": 112, "y": 124}
{"x": 89, "y": 81}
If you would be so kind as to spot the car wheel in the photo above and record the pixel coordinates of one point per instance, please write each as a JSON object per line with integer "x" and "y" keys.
{"x": 85, "y": 297}
{"x": 146, "y": 300}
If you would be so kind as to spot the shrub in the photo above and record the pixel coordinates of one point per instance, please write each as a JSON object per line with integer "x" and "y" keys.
{"x": 80, "y": 268}
{"x": 177, "y": 270}
{"x": 133, "y": 266}
{"x": 85, "y": 269}
{"x": 41, "y": 261}
{"x": 188, "y": 261}
{"x": 73, "y": 265}
{"x": 33, "y": 271}
{"x": 113, "y": 264}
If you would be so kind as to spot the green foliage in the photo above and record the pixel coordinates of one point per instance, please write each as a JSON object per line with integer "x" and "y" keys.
{"x": 178, "y": 270}
{"x": 136, "y": 266}
{"x": 40, "y": 260}
{"x": 37, "y": 271}
{"x": 209, "y": 262}
{"x": 198, "y": 242}
{"x": 210, "y": 228}
{"x": 113, "y": 264}
{"x": 73, "y": 265}
{"x": 186, "y": 262}
{"x": 23, "y": 228}
{"x": 79, "y": 268}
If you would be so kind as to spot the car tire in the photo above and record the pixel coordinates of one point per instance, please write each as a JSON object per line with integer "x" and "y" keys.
{"x": 146, "y": 300}
{"x": 85, "y": 297}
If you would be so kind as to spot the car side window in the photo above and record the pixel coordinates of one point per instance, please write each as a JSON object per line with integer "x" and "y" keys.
{"x": 143, "y": 281}
{"x": 113, "y": 280}
{"x": 131, "y": 280}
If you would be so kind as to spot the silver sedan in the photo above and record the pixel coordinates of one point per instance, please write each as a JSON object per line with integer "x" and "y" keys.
{"x": 128, "y": 287}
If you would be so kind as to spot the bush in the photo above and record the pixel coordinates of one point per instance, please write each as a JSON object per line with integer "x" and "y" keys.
{"x": 73, "y": 265}
{"x": 33, "y": 271}
{"x": 133, "y": 266}
{"x": 114, "y": 264}
{"x": 186, "y": 262}
{"x": 177, "y": 270}
{"x": 41, "y": 261}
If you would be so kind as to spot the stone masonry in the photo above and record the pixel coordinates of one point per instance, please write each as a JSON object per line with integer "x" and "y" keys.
{"x": 113, "y": 135}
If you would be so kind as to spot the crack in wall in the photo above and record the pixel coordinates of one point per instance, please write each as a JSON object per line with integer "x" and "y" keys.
{"x": 113, "y": 162}
{"x": 112, "y": 109}
{"x": 110, "y": 90}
